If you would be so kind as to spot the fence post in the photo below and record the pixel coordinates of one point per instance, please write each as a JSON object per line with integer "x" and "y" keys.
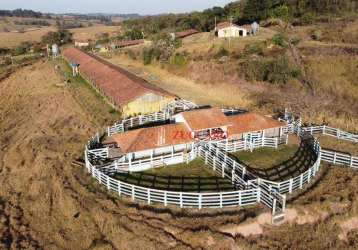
{"x": 324, "y": 129}
{"x": 133, "y": 192}
{"x": 291, "y": 186}
{"x": 165, "y": 198}
{"x": 214, "y": 163}
{"x": 107, "y": 182}
{"x": 243, "y": 173}
{"x": 223, "y": 170}
{"x": 351, "y": 165}
{"x": 334, "y": 157}
{"x": 119, "y": 188}
{"x": 240, "y": 202}
{"x": 148, "y": 193}
{"x": 181, "y": 200}
{"x": 301, "y": 181}
{"x": 200, "y": 201}
{"x": 221, "y": 200}
{"x": 309, "y": 176}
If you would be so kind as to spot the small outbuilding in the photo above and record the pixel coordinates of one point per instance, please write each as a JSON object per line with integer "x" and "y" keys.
{"x": 228, "y": 29}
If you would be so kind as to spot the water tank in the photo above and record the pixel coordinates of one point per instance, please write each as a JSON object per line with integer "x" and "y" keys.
{"x": 55, "y": 50}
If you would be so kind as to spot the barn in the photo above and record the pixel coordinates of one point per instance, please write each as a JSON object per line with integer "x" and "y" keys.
{"x": 126, "y": 92}
{"x": 190, "y": 127}
{"x": 228, "y": 29}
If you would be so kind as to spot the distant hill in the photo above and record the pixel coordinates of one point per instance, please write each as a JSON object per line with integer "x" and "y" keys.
{"x": 23, "y": 13}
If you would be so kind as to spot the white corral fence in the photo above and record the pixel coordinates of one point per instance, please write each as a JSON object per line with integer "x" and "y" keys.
{"x": 136, "y": 121}
{"x": 252, "y": 189}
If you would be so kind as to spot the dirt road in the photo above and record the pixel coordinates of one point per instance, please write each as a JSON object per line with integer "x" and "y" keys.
{"x": 47, "y": 203}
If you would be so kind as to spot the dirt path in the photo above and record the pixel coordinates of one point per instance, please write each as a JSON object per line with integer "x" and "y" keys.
{"x": 47, "y": 203}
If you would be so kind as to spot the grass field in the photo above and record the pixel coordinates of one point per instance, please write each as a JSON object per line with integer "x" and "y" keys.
{"x": 89, "y": 99}
{"x": 192, "y": 177}
{"x": 91, "y": 32}
{"x": 330, "y": 142}
{"x": 266, "y": 158}
{"x": 13, "y": 39}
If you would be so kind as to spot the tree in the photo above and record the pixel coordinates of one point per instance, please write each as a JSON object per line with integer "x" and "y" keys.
{"x": 59, "y": 37}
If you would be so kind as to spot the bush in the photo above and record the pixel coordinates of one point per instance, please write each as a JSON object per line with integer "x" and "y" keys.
{"x": 150, "y": 54}
{"x": 222, "y": 52}
{"x": 279, "y": 40}
{"x": 316, "y": 35}
{"x": 178, "y": 59}
{"x": 277, "y": 71}
{"x": 295, "y": 40}
{"x": 255, "y": 48}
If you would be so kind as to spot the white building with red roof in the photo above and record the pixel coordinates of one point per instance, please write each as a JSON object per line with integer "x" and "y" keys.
{"x": 228, "y": 29}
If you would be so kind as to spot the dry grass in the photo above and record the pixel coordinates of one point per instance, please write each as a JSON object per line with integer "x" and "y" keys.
{"x": 206, "y": 41}
{"x": 90, "y": 32}
{"x": 338, "y": 145}
{"x": 221, "y": 94}
{"x": 12, "y": 39}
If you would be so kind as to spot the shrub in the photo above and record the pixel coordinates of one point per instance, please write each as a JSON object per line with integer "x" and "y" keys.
{"x": 279, "y": 40}
{"x": 222, "y": 52}
{"x": 277, "y": 71}
{"x": 316, "y": 35}
{"x": 178, "y": 59}
{"x": 255, "y": 48}
{"x": 150, "y": 54}
{"x": 295, "y": 40}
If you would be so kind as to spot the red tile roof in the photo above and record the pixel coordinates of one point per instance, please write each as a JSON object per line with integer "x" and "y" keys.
{"x": 205, "y": 118}
{"x": 116, "y": 83}
{"x": 129, "y": 43}
{"x": 186, "y": 33}
{"x": 251, "y": 122}
{"x": 224, "y": 25}
{"x": 150, "y": 138}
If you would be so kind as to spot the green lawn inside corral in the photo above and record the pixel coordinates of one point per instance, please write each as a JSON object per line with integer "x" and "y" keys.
{"x": 266, "y": 158}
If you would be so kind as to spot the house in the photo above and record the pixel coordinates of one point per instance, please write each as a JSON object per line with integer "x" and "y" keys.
{"x": 126, "y": 92}
{"x": 144, "y": 142}
{"x": 183, "y": 34}
{"x": 189, "y": 127}
{"x": 247, "y": 124}
{"x": 228, "y": 29}
{"x": 205, "y": 124}
{"x": 81, "y": 43}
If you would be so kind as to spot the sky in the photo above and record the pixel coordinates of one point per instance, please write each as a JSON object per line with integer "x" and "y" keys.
{"x": 112, "y": 6}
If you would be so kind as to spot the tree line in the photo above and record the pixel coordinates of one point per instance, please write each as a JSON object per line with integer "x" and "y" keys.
{"x": 22, "y": 13}
{"x": 243, "y": 12}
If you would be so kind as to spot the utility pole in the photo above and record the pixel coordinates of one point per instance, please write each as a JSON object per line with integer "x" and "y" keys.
{"x": 231, "y": 19}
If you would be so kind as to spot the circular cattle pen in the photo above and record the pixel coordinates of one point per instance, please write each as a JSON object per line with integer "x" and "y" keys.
{"x": 225, "y": 180}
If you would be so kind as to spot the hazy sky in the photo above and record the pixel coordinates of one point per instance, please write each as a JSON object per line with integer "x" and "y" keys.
{"x": 112, "y": 6}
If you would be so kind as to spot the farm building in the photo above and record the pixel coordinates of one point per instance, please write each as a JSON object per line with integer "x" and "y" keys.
{"x": 228, "y": 29}
{"x": 183, "y": 34}
{"x": 123, "y": 44}
{"x": 81, "y": 43}
{"x": 126, "y": 92}
{"x": 190, "y": 127}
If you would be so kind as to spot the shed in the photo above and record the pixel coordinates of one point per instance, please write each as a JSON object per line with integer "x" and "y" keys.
{"x": 128, "y": 93}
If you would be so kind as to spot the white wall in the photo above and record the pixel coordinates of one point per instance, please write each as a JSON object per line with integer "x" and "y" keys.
{"x": 231, "y": 32}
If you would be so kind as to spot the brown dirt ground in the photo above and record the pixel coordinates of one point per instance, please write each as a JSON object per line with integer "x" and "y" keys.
{"x": 45, "y": 203}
